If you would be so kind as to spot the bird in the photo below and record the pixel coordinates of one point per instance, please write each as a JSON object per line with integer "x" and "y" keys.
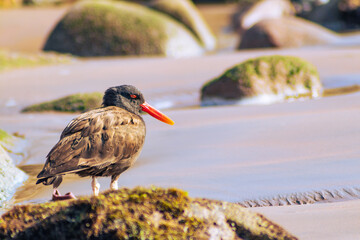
{"x": 102, "y": 142}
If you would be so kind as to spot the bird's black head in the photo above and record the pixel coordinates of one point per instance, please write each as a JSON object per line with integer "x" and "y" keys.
{"x": 125, "y": 96}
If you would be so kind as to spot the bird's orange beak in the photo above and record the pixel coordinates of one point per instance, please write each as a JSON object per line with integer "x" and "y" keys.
{"x": 156, "y": 113}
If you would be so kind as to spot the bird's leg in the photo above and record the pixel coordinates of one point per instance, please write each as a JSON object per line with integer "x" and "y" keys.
{"x": 95, "y": 186}
{"x": 114, "y": 182}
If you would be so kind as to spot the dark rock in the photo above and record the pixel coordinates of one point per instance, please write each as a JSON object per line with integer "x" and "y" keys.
{"x": 337, "y": 15}
{"x": 350, "y": 13}
{"x": 325, "y": 13}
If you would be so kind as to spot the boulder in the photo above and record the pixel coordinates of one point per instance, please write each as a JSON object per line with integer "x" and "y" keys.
{"x": 80, "y": 102}
{"x": 10, "y": 176}
{"x": 108, "y": 28}
{"x": 138, "y": 214}
{"x": 285, "y": 33}
{"x": 264, "y": 79}
{"x": 252, "y": 12}
{"x": 186, "y": 13}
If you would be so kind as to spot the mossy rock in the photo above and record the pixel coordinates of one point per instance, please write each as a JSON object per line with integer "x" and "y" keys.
{"x": 186, "y": 13}
{"x": 10, "y": 176}
{"x": 139, "y": 213}
{"x": 269, "y": 78}
{"x": 109, "y": 28}
{"x": 80, "y": 102}
{"x": 13, "y": 60}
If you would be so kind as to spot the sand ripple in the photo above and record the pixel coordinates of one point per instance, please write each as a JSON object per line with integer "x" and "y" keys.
{"x": 306, "y": 198}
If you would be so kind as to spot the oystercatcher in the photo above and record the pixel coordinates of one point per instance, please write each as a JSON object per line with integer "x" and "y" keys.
{"x": 103, "y": 142}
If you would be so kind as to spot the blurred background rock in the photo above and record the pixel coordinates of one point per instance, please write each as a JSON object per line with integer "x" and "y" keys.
{"x": 222, "y": 25}
{"x": 110, "y": 28}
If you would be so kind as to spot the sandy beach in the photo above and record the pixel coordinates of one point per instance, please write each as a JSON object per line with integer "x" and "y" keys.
{"x": 251, "y": 154}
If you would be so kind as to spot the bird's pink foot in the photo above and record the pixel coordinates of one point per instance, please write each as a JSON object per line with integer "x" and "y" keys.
{"x": 56, "y": 196}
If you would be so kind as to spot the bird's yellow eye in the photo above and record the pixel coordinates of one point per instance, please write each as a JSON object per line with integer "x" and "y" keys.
{"x": 133, "y": 96}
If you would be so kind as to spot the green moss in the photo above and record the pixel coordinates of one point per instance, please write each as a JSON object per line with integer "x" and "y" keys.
{"x": 138, "y": 213}
{"x": 80, "y": 102}
{"x": 10, "y": 60}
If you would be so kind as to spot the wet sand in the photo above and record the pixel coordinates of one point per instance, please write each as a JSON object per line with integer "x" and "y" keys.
{"x": 233, "y": 153}
{"x": 332, "y": 221}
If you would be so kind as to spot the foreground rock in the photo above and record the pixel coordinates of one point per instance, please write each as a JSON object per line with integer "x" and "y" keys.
{"x": 80, "y": 102}
{"x": 138, "y": 214}
{"x": 264, "y": 80}
{"x": 186, "y": 12}
{"x": 108, "y": 28}
{"x": 285, "y": 33}
{"x": 10, "y": 176}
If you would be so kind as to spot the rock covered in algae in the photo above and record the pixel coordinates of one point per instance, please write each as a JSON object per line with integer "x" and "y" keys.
{"x": 109, "y": 28}
{"x": 138, "y": 214}
{"x": 10, "y": 176}
{"x": 264, "y": 80}
{"x": 80, "y": 102}
{"x": 186, "y": 13}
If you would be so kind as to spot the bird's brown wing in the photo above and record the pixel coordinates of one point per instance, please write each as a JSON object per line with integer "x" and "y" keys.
{"x": 96, "y": 138}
